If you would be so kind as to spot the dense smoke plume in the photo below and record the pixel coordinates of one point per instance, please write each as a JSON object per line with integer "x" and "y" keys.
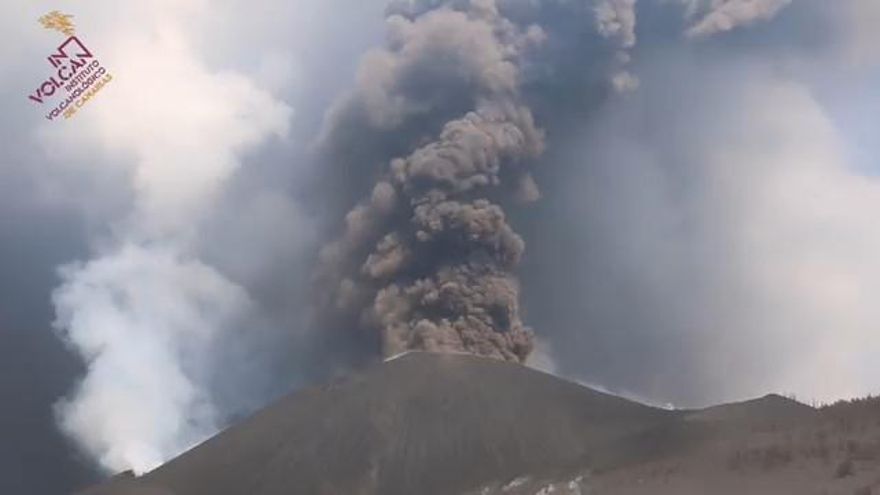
{"x": 148, "y": 313}
{"x": 428, "y": 260}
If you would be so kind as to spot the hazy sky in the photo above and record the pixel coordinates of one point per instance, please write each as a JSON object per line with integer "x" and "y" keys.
{"x": 707, "y": 231}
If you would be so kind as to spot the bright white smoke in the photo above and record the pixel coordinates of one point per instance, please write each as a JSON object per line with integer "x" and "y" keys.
{"x": 146, "y": 310}
{"x": 143, "y": 318}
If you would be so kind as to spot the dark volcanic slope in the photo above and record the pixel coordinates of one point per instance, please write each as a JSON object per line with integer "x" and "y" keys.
{"x": 422, "y": 423}
{"x": 771, "y": 409}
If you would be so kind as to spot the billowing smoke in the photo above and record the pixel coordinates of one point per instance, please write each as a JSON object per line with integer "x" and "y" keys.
{"x": 427, "y": 261}
{"x": 146, "y": 313}
{"x": 143, "y": 318}
{"x": 616, "y": 20}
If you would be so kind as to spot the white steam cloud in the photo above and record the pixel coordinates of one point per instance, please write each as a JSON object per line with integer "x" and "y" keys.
{"x": 717, "y": 16}
{"x": 146, "y": 310}
{"x": 143, "y": 319}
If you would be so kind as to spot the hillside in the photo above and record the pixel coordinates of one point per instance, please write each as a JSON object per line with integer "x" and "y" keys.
{"x": 449, "y": 424}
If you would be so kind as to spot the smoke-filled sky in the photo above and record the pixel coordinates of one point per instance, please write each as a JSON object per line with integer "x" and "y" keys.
{"x": 695, "y": 184}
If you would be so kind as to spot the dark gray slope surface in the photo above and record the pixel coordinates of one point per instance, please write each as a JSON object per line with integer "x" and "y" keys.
{"x": 764, "y": 412}
{"x": 420, "y": 424}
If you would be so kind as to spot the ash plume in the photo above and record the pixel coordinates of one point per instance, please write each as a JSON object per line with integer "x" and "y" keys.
{"x": 616, "y": 20}
{"x": 427, "y": 261}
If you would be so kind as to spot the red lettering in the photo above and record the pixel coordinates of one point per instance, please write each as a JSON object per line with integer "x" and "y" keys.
{"x": 47, "y": 92}
{"x": 37, "y": 97}
{"x": 56, "y": 58}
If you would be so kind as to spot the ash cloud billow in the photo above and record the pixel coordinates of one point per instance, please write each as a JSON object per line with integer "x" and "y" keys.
{"x": 616, "y": 20}
{"x": 427, "y": 262}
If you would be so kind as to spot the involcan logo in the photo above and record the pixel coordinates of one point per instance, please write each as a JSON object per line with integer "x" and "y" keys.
{"x": 77, "y": 75}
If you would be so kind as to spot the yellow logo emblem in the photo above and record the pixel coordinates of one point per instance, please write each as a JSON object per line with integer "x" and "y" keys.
{"x": 59, "y": 22}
